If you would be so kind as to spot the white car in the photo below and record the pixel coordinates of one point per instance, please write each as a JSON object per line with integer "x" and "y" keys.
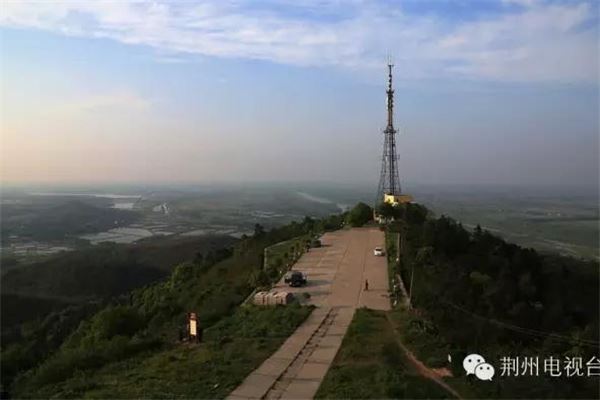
{"x": 378, "y": 251}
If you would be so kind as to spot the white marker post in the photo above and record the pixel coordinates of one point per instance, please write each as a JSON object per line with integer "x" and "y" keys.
{"x": 193, "y": 324}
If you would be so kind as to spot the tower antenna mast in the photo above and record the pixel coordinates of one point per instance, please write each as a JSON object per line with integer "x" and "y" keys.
{"x": 389, "y": 180}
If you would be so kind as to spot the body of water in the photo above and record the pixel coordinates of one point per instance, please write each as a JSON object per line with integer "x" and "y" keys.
{"x": 118, "y": 235}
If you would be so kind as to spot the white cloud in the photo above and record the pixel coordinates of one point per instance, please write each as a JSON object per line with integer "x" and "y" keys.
{"x": 522, "y": 3}
{"x": 538, "y": 42}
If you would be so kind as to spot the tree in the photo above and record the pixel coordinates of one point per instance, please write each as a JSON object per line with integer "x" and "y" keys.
{"x": 386, "y": 210}
{"x": 308, "y": 223}
{"x": 424, "y": 255}
{"x": 415, "y": 213}
{"x": 360, "y": 215}
{"x": 119, "y": 320}
{"x": 259, "y": 278}
{"x": 259, "y": 230}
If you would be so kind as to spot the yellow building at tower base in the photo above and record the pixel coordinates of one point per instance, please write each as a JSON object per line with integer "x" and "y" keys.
{"x": 399, "y": 199}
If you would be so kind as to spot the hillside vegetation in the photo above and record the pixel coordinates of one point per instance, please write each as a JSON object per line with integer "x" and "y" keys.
{"x": 108, "y": 269}
{"x": 146, "y": 326}
{"x": 232, "y": 348}
{"x": 370, "y": 365}
{"x": 43, "y": 302}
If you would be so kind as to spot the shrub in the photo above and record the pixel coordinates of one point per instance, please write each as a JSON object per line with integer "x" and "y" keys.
{"x": 119, "y": 320}
{"x": 360, "y": 215}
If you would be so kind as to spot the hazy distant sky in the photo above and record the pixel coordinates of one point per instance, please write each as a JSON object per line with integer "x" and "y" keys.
{"x": 116, "y": 91}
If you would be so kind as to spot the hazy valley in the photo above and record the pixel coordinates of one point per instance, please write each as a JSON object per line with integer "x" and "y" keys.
{"x": 37, "y": 223}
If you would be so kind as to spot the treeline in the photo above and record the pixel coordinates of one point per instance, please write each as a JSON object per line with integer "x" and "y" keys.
{"x": 107, "y": 269}
{"x": 481, "y": 293}
{"x": 212, "y": 285}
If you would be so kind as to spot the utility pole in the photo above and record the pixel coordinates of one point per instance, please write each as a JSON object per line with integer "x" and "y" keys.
{"x": 398, "y": 250}
{"x": 412, "y": 275}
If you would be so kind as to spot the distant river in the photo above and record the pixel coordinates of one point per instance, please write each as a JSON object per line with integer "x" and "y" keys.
{"x": 124, "y": 206}
{"x": 121, "y": 205}
{"x": 322, "y": 200}
{"x": 105, "y": 195}
{"x": 118, "y": 235}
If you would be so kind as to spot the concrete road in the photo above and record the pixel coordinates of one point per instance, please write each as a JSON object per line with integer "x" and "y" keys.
{"x": 336, "y": 284}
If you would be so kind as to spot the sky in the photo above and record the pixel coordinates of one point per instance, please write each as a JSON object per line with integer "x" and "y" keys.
{"x": 487, "y": 92}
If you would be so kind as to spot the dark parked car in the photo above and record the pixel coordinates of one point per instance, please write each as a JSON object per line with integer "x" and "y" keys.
{"x": 295, "y": 278}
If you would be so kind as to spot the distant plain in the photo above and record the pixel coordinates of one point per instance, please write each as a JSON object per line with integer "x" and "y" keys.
{"x": 40, "y": 221}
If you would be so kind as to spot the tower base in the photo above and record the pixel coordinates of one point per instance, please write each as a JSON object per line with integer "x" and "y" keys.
{"x": 397, "y": 199}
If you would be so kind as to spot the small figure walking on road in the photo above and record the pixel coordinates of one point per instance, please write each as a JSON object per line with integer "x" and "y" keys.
{"x": 366, "y": 285}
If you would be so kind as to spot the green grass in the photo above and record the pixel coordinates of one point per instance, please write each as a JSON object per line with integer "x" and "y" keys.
{"x": 232, "y": 348}
{"x": 279, "y": 254}
{"x": 370, "y": 364}
{"x": 391, "y": 240}
{"x": 423, "y": 339}
{"x": 280, "y": 257}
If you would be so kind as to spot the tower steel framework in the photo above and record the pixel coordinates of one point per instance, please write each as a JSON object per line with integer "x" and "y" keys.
{"x": 389, "y": 180}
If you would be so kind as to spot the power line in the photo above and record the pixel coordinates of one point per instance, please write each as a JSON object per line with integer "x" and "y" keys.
{"x": 520, "y": 329}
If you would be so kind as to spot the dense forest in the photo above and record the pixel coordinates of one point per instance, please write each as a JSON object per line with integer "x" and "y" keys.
{"x": 475, "y": 292}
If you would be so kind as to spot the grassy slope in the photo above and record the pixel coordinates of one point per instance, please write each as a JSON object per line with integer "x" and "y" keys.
{"x": 232, "y": 349}
{"x": 282, "y": 254}
{"x": 285, "y": 250}
{"x": 423, "y": 338}
{"x": 418, "y": 335}
{"x": 370, "y": 364}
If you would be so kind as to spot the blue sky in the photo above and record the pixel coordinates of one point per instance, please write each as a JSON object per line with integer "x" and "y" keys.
{"x": 500, "y": 92}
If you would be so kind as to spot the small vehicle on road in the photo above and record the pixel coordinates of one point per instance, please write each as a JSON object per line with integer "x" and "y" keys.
{"x": 295, "y": 279}
{"x": 378, "y": 252}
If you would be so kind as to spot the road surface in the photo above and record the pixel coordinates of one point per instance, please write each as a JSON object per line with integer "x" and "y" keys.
{"x": 336, "y": 284}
